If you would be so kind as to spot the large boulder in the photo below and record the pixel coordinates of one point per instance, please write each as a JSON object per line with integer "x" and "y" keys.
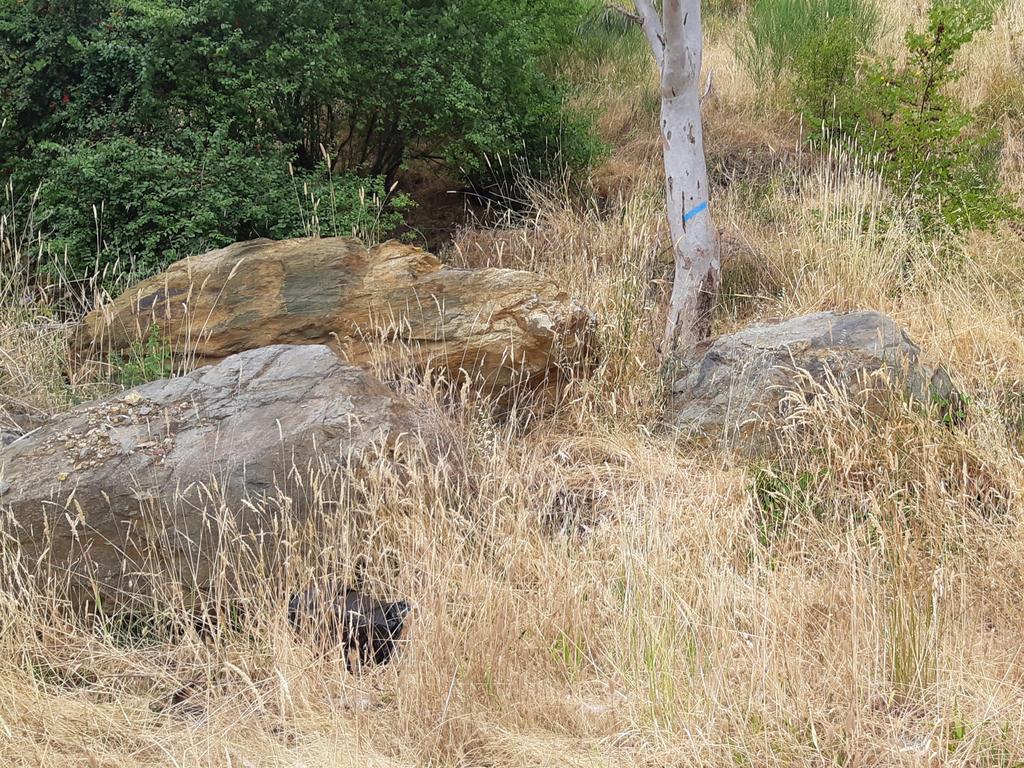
{"x": 393, "y": 303}
{"x": 736, "y": 386}
{"x": 89, "y": 492}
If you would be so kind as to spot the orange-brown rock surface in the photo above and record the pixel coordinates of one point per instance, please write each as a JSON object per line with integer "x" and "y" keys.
{"x": 393, "y": 302}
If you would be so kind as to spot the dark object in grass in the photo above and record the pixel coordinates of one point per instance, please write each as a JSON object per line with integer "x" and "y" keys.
{"x": 183, "y": 701}
{"x": 362, "y": 623}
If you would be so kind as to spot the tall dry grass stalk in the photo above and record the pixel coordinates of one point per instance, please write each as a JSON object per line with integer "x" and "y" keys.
{"x": 581, "y": 595}
{"x": 34, "y": 328}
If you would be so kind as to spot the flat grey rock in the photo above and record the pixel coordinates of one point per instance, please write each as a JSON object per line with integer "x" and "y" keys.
{"x": 735, "y": 386}
{"x": 84, "y": 488}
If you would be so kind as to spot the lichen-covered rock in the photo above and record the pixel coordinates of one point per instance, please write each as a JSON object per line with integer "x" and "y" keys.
{"x": 92, "y": 490}
{"x": 734, "y": 385}
{"x": 393, "y": 303}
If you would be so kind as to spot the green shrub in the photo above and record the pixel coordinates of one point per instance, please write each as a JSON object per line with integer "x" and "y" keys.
{"x": 825, "y": 65}
{"x": 179, "y": 118}
{"x": 813, "y": 44}
{"x": 119, "y": 207}
{"x": 928, "y": 147}
{"x": 374, "y": 82}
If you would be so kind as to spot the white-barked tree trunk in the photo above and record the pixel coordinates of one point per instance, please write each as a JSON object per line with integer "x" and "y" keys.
{"x": 676, "y": 40}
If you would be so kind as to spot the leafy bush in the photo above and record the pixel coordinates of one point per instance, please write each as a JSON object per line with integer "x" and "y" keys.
{"x": 927, "y": 146}
{"x": 180, "y": 117}
{"x": 813, "y": 43}
{"x": 372, "y": 81}
{"x": 117, "y": 204}
{"x": 828, "y": 63}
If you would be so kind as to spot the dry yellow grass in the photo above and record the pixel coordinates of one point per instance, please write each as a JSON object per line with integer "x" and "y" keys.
{"x": 587, "y": 591}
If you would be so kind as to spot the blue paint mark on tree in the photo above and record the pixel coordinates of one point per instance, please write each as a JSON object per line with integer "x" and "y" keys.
{"x": 694, "y": 211}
